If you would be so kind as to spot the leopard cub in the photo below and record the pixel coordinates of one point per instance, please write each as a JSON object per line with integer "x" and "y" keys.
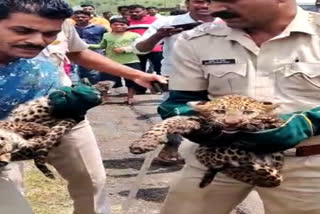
{"x": 37, "y": 129}
{"x": 223, "y": 115}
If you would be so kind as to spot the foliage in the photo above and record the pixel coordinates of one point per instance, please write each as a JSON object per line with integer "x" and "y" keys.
{"x": 111, "y": 5}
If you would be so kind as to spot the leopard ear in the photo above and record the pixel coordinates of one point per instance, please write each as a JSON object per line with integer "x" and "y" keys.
{"x": 269, "y": 106}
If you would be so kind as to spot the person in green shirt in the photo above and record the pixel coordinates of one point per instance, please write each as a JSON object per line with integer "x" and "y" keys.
{"x": 118, "y": 47}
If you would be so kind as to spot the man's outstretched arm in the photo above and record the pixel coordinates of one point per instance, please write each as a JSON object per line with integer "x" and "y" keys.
{"x": 92, "y": 60}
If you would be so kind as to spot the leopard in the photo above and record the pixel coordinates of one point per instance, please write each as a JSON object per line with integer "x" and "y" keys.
{"x": 31, "y": 131}
{"x": 102, "y": 86}
{"x": 223, "y": 116}
{"x": 15, "y": 134}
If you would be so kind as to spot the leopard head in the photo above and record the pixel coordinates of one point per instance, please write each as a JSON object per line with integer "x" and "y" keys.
{"x": 9, "y": 141}
{"x": 5, "y": 148}
{"x": 104, "y": 87}
{"x": 236, "y": 112}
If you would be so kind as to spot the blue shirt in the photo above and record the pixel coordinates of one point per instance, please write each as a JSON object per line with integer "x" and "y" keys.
{"x": 24, "y": 80}
{"x": 91, "y": 34}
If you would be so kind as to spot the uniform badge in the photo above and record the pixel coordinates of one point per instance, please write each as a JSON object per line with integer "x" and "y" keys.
{"x": 219, "y": 62}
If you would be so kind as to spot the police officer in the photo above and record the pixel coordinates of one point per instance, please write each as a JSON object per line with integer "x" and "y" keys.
{"x": 267, "y": 50}
{"x": 27, "y": 27}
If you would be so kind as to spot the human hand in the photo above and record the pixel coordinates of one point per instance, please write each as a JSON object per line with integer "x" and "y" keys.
{"x": 168, "y": 31}
{"x": 146, "y": 79}
{"x": 118, "y": 50}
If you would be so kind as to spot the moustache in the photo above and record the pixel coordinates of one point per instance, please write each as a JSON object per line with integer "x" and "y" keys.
{"x": 30, "y": 47}
{"x": 224, "y": 15}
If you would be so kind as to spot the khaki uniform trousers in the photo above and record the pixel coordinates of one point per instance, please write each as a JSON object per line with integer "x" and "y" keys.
{"x": 298, "y": 194}
{"x": 78, "y": 160}
{"x": 11, "y": 200}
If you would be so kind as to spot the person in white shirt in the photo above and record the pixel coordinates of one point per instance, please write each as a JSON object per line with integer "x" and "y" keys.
{"x": 153, "y": 11}
{"x": 161, "y": 31}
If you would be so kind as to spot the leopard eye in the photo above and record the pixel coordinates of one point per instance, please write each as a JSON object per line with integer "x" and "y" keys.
{"x": 267, "y": 103}
{"x": 248, "y": 112}
{"x": 220, "y": 111}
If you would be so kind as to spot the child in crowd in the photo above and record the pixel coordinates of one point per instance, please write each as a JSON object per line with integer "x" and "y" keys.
{"x": 118, "y": 48}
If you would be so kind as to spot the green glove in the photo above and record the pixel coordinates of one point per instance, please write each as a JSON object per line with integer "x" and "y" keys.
{"x": 74, "y": 102}
{"x": 299, "y": 126}
{"x": 175, "y": 110}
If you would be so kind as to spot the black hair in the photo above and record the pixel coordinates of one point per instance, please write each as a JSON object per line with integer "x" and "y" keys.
{"x": 88, "y": 5}
{"x": 82, "y": 12}
{"x": 51, "y": 9}
{"x": 121, "y": 20}
{"x": 148, "y": 8}
{"x": 135, "y": 6}
{"x": 121, "y": 7}
{"x": 176, "y": 12}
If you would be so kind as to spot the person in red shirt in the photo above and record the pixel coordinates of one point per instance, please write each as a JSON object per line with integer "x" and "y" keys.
{"x": 139, "y": 23}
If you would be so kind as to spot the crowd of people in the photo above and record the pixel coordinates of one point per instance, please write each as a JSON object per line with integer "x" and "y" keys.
{"x": 263, "y": 49}
{"x": 114, "y": 36}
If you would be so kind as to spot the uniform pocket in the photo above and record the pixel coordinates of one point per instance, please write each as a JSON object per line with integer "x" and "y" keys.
{"x": 226, "y": 79}
{"x": 301, "y": 81}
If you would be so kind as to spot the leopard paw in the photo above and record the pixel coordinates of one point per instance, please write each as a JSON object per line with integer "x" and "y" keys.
{"x": 140, "y": 147}
{"x": 144, "y": 145}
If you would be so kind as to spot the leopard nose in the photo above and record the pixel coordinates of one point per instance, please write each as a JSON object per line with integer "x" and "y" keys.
{"x": 232, "y": 120}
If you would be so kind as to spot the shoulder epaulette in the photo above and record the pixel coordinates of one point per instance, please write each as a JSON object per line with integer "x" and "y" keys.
{"x": 204, "y": 29}
{"x": 314, "y": 18}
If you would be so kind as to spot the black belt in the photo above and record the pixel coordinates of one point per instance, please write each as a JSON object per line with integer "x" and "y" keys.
{"x": 307, "y": 150}
{"x": 303, "y": 151}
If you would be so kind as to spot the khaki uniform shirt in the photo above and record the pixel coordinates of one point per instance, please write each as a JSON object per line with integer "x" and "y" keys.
{"x": 284, "y": 70}
{"x": 67, "y": 41}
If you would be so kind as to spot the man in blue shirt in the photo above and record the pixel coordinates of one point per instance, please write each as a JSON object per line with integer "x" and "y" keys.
{"x": 91, "y": 34}
{"x": 23, "y": 36}
{"x": 25, "y": 79}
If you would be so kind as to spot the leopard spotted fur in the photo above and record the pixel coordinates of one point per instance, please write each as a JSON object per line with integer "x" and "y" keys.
{"x": 38, "y": 132}
{"x": 227, "y": 114}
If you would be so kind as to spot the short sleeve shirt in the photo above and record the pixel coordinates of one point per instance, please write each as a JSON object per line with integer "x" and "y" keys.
{"x": 67, "y": 41}
{"x": 91, "y": 34}
{"x": 168, "y": 42}
{"x": 284, "y": 70}
{"x": 24, "y": 80}
{"x": 111, "y": 41}
{"x": 141, "y": 26}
